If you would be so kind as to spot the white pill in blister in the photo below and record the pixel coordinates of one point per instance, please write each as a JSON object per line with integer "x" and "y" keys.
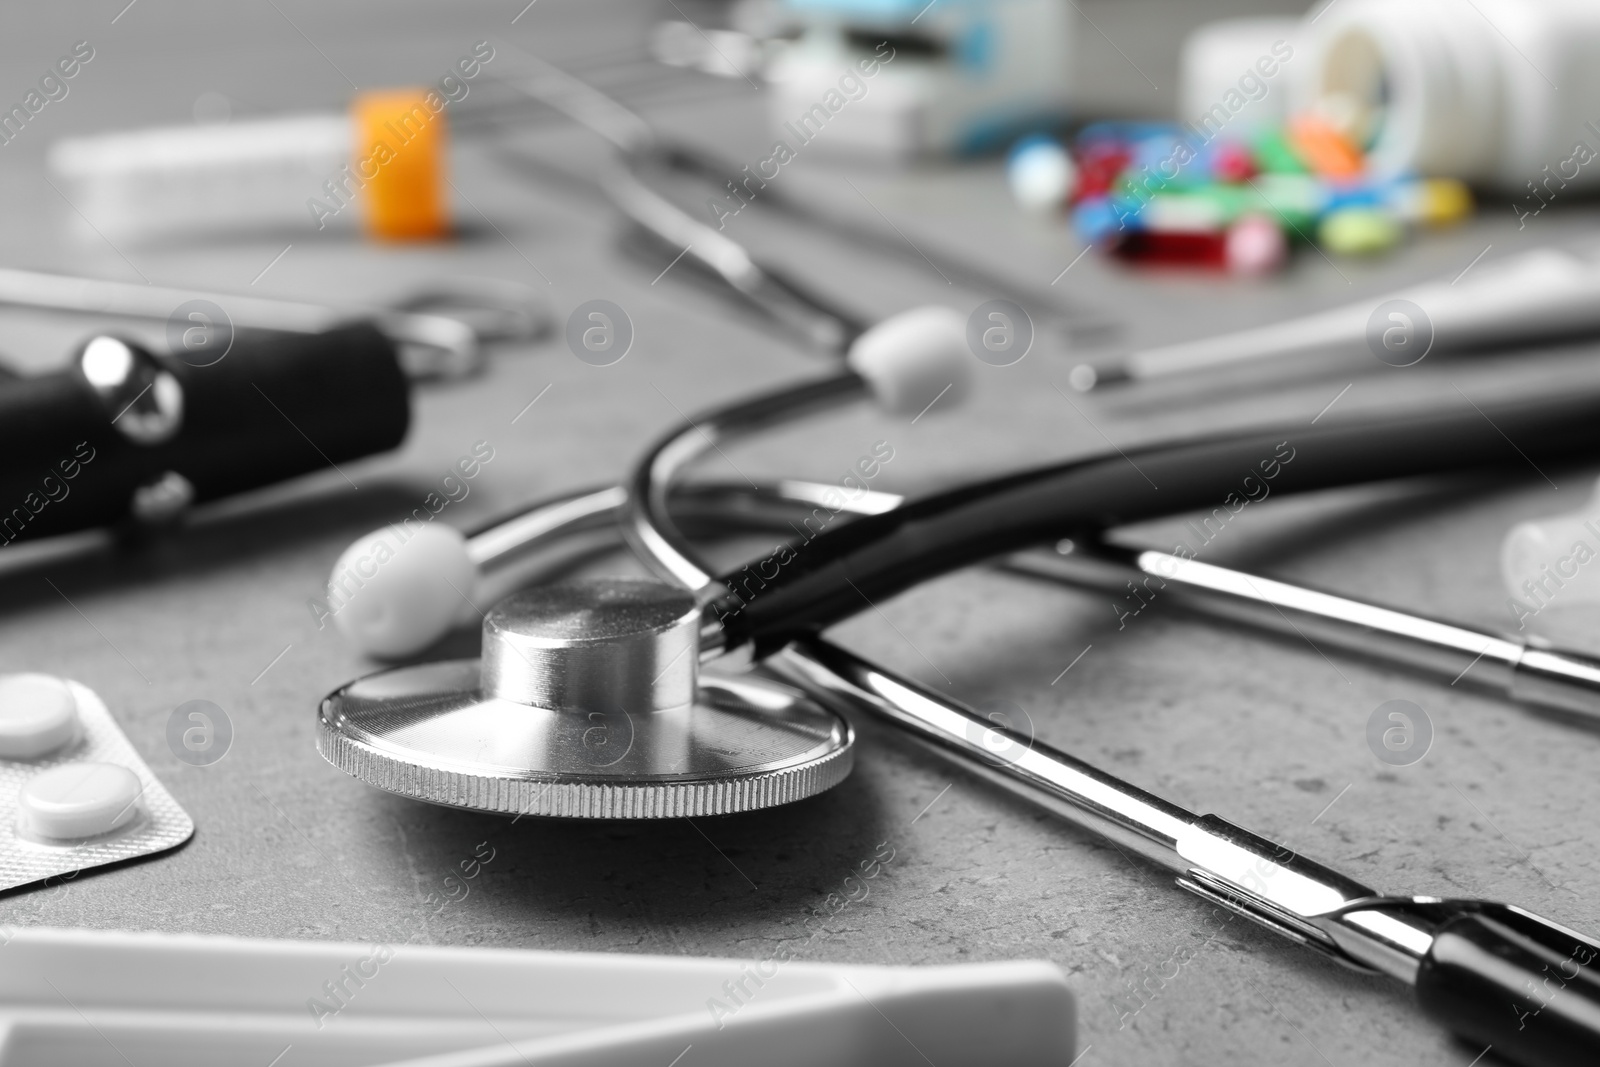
{"x": 79, "y": 800}
{"x": 38, "y": 714}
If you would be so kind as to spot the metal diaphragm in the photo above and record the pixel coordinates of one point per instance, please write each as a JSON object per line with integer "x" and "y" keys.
{"x": 588, "y": 702}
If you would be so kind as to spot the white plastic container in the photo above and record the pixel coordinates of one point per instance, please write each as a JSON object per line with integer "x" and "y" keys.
{"x": 893, "y": 79}
{"x": 1500, "y": 93}
{"x": 380, "y": 166}
{"x": 1230, "y": 58}
{"x": 225, "y": 178}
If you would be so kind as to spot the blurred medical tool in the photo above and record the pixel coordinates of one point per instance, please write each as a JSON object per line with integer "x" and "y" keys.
{"x": 127, "y": 434}
{"x": 249, "y": 392}
{"x": 98, "y": 997}
{"x": 1495, "y": 95}
{"x": 1544, "y": 295}
{"x": 798, "y": 310}
{"x": 728, "y": 53}
{"x": 587, "y": 690}
{"x": 441, "y": 330}
{"x": 74, "y": 793}
{"x": 900, "y": 78}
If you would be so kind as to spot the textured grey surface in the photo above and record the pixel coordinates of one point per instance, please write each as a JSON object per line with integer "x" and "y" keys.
{"x": 1267, "y": 733}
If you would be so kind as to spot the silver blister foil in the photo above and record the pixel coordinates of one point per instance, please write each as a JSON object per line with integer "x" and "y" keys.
{"x": 160, "y": 824}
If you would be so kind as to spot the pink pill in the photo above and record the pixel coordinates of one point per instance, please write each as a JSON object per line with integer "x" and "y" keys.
{"x": 1256, "y": 245}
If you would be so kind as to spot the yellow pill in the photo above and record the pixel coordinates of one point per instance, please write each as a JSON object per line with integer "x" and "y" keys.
{"x": 1442, "y": 202}
{"x": 1362, "y": 231}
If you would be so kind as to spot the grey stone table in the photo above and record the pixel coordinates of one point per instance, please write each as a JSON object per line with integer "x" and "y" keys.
{"x": 1268, "y": 733}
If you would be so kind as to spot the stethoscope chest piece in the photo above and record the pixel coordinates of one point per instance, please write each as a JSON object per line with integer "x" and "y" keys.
{"x": 588, "y": 702}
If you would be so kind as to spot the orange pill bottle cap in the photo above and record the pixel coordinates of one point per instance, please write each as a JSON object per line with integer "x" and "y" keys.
{"x": 400, "y": 148}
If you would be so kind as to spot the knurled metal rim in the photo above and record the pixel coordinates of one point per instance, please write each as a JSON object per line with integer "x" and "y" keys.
{"x": 584, "y": 799}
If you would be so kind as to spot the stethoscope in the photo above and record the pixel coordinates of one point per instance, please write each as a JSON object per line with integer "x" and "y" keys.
{"x": 586, "y": 701}
{"x": 621, "y": 698}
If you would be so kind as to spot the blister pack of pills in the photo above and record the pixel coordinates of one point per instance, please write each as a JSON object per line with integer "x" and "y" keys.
{"x": 73, "y": 792}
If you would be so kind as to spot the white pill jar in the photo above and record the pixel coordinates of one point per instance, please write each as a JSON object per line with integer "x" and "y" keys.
{"x": 1499, "y": 93}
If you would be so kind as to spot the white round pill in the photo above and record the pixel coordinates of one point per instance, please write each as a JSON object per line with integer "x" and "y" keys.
{"x": 79, "y": 800}
{"x": 38, "y": 714}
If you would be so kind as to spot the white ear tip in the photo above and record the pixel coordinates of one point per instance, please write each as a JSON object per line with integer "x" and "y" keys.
{"x": 399, "y": 589}
{"x": 1521, "y": 552}
{"x": 1553, "y": 561}
{"x": 914, "y": 358}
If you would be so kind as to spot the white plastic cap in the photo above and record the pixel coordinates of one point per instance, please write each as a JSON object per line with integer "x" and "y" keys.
{"x": 914, "y": 358}
{"x": 1555, "y": 560}
{"x": 399, "y": 589}
{"x": 78, "y": 800}
{"x": 38, "y": 714}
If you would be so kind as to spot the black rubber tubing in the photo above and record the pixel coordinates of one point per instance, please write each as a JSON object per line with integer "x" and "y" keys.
{"x": 1514, "y": 981}
{"x": 847, "y": 568}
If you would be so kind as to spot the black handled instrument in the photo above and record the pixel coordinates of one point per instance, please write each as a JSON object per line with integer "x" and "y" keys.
{"x": 125, "y": 433}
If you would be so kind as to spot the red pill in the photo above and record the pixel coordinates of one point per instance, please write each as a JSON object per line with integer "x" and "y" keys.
{"x": 1099, "y": 166}
{"x": 1233, "y": 163}
{"x": 1174, "y": 248}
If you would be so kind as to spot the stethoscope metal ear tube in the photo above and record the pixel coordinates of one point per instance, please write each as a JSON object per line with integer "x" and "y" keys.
{"x": 648, "y": 524}
{"x": 1525, "y": 672}
{"x": 1472, "y": 962}
{"x": 505, "y": 553}
{"x": 1262, "y": 880}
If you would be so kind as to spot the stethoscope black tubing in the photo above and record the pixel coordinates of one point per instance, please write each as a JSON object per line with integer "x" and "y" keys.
{"x": 844, "y": 570}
